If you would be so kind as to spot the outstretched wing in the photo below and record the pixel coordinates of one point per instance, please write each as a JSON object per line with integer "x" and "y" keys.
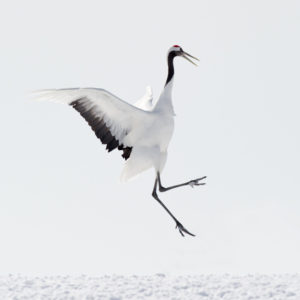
{"x": 145, "y": 102}
{"x": 111, "y": 118}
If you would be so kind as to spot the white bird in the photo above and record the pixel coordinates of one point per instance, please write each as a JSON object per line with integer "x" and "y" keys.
{"x": 142, "y": 132}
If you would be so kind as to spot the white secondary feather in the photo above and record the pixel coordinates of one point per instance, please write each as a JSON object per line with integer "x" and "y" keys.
{"x": 120, "y": 116}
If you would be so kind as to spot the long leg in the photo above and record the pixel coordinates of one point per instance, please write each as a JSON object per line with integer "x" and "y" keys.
{"x": 191, "y": 183}
{"x": 178, "y": 224}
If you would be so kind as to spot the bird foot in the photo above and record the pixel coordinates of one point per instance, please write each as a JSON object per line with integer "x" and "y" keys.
{"x": 182, "y": 230}
{"x": 196, "y": 182}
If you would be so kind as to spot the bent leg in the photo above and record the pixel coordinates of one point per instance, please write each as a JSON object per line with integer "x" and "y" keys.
{"x": 178, "y": 224}
{"x": 191, "y": 183}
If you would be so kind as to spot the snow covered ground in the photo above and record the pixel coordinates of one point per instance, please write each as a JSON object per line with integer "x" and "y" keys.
{"x": 158, "y": 286}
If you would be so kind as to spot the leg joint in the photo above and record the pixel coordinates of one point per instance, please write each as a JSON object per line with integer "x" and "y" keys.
{"x": 162, "y": 189}
{"x": 154, "y": 195}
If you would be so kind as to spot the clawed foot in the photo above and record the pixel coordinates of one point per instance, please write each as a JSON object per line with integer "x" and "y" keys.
{"x": 196, "y": 182}
{"x": 182, "y": 229}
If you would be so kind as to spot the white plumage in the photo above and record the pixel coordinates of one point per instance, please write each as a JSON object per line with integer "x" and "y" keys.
{"x": 142, "y": 131}
{"x": 145, "y": 102}
{"x": 148, "y": 132}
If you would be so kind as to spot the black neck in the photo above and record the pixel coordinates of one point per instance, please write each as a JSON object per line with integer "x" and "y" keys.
{"x": 171, "y": 56}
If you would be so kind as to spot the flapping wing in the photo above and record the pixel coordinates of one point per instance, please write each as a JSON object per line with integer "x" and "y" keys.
{"x": 145, "y": 102}
{"x": 110, "y": 117}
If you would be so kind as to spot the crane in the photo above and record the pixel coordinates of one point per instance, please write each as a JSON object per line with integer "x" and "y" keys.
{"x": 141, "y": 132}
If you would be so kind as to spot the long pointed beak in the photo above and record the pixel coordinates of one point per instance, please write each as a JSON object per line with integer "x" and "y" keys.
{"x": 186, "y": 56}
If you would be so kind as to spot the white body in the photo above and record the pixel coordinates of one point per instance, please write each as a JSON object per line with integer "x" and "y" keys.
{"x": 147, "y": 128}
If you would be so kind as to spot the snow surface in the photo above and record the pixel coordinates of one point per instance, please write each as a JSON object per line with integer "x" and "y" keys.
{"x": 158, "y": 286}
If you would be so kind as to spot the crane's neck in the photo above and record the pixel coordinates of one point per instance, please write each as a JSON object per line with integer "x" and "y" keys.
{"x": 171, "y": 57}
{"x": 164, "y": 103}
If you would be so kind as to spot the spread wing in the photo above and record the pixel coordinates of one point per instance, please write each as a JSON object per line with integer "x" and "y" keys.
{"x": 145, "y": 102}
{"x": 109, "y": 117}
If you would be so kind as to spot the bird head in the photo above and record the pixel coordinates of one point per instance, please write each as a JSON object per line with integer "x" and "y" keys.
{"x": 178, "y": 51}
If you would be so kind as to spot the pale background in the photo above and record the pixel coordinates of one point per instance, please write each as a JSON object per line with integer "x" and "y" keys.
{"x": 62, "y": 207}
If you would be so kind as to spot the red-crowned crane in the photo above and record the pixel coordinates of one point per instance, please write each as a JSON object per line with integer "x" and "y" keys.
{"x": 142, "y": 132}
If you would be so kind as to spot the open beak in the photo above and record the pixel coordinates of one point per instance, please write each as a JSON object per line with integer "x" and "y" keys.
{"x": 186, "y": 56}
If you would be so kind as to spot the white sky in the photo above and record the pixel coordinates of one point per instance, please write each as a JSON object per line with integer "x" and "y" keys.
{"x": 62, "y": 207}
